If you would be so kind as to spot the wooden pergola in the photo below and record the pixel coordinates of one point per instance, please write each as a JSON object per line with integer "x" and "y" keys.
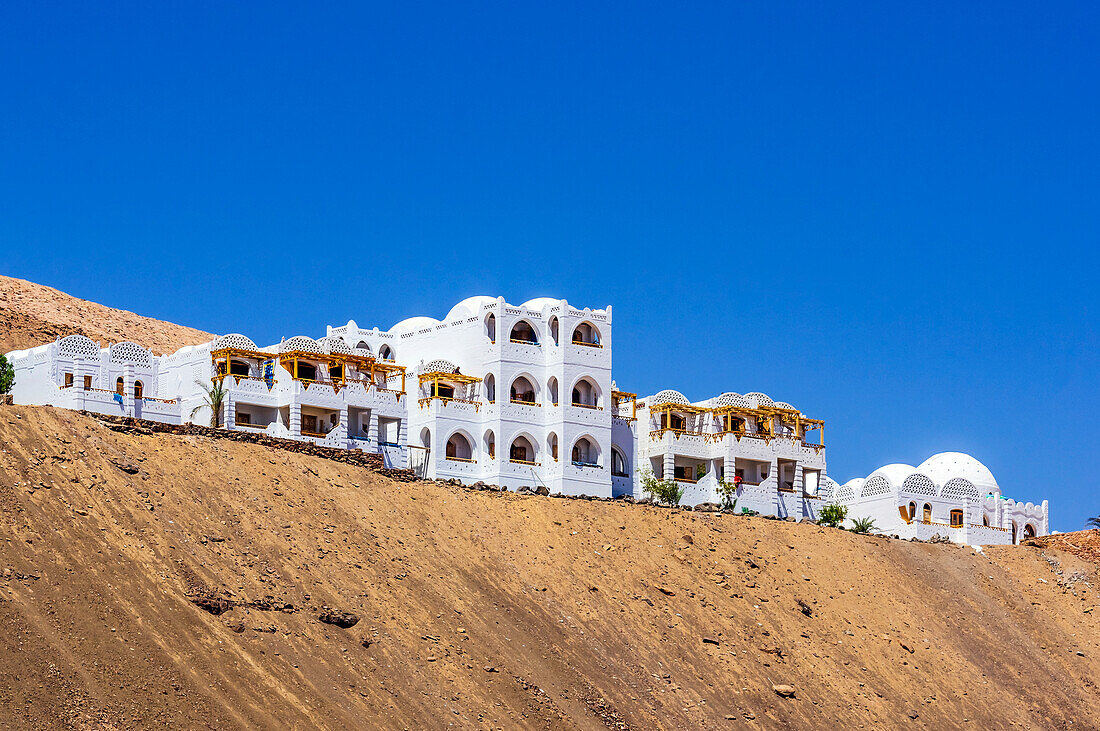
{"x": 618, "y": 397}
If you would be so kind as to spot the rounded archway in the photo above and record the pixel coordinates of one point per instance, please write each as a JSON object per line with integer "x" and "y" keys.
{"x": 491, "y": 327}
{"x": 554, "y": 329}
{"x": 619, "y": 465}
{"x": 927, "y": 513}
{"x": 363, "y": 346}
{"x": 586, "y": 334}
{"x": 490, "y": 444}
{"x": 552, "y": 445}
{"x": 491, "y": 388}
{"x": 426, "y": 438}
{"x": 586, "y": 393}
{"x": 387, "y": 353}
{"x": 524, "y": 332}
{"x": 585, "y": 452}
{"x": 120, "y": 387}
{"x": 552, "y": 390}
{"x": 139, "y": 389}
{"x": 460, "y": 448}
{"x": 522, "y": 391}
{"x": 1029, "y": 531}
{"x": 912, "y": 510}
{"x": 522, "y": 450}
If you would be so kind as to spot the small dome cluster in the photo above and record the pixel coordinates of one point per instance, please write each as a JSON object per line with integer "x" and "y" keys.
{"x": 948, "y": 474}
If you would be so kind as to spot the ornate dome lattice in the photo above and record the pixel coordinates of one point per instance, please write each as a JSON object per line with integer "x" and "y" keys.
{"x": 670, "y": 397}
{"x": 959, "y": 487}
{"x": 235, "y": 341}
{"x": 441, "y": 366}
{"x": 845, "y": 494}
{"x": 334, "y": 345}
{"x": 876, "y": 485}
{"x": 78, "y": 346}
{"x": 128, "y": 352}
{"x": 302, "y": 343}
{"x": 918, "y": 484}
{"x": 784, "y": 405}
{"x": 759, "y": 399}
{"x": 732, "y": 399}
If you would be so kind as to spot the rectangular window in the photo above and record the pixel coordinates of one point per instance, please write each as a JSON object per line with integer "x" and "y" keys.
{"x": 243, "y": 418}
{"x": 68, "y": 380}
{"x": 87, "y": 382}
{"x": 956, "y": 518}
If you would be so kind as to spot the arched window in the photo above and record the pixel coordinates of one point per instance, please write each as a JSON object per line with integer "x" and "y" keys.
{"x": 386, "y": 353}
{"x": 491, "y": 388}
{"x": 985, "y": 520}
{"x": 585, "y": 453}
{"x": 491, "y": 444}
{"x": 554, "y": 329}
{"x": 586, "y": 334}
{"x": 364, "y": 346}
{"x": 491, "y": 327}
{"x": 618, "y": 463}
{"x": 426, "y": 438}
{"x": 120, "y": 388}
{"x": 552, "y": 446}
{"x": 552, "y": 388}
{"x": 139, "y": 390}
{"x": 522, "y": 451}
{"x": 912, "y": 510}
{"x": 1029, "y": 531}
{"x": 1014, "y": 532}
{"x": 522, "y": 391}
{"x": 956, "y": 518}
{"x": 459, "y": 449}
{"x": 586, "y": 393}
{"x": 524, "y": 332}
{"x": 927, "y": 513}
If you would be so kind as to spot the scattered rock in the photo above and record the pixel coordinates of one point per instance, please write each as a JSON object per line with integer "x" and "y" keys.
{"x": 914, "y": 715}
{"x": 491, "y": 669}
{"x": 710, "y": 641}
{"x": 786, "y": 691}
{"x": 804, "y": 608}
{"x": 236, "y": 625}
{"x": 666, "y": 591}
{"x": 542, "y": 490}
{"x": 213, "y": 605}
{"x": 708, "y": 507}
{"x": 340, "y": 619}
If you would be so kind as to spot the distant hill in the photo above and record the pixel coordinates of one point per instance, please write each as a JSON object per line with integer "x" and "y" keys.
{"x": 31, "y": 314}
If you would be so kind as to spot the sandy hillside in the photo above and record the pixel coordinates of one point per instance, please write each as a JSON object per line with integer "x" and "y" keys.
{"x": 31, "y": 314}
{"x": 483, "y": 610}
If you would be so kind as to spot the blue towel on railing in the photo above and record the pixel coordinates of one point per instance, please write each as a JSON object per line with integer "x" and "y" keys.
{"x": 118, "y": 398}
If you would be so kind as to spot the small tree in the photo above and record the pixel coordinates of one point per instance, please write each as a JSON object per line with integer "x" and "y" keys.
{"x": 832, "y": 515}
{"x": 667, "y": 492}
{"x": 863, "y": 525}
{"x": 213, "y": 398}
{"x": 727, "y": 491}
{"x": 7, "y": 375}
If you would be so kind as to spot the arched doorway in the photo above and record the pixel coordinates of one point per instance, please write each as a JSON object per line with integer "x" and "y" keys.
{"x": 120, "y": 387}
{"x": 459, "y": 448}
{"x": 927, "y": 513}
{"x": 585, "y": 453}
{"x": 386, "y": 353}
{"x": 524, "y": 332}
{"x": 552, "y": 446}
{"x": 491, "y": 327}
{"x": 1029, "y": 531}
{"x": 139, "y": 390}
{"x": 491, "y": 444}
{"x": 552, "y": 388}
{"x": 522, "y": 391}
{"x": 491, "y": 388}
{"x": 522, "y": 451}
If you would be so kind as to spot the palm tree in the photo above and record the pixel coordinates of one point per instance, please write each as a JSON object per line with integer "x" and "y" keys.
{"x": 214, "y": 399}
{"x": 1094, "y": 522}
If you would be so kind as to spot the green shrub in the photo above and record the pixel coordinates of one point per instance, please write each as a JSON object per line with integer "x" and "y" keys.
{"x": 7, "y": 375}
{"x": 832, "y": 515}
{"x": 863, "y": 525}
{"x": 667, "y": 492}
{"x": 727, "y": 492}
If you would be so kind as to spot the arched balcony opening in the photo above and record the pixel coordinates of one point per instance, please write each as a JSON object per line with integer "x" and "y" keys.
{"x": 524, "y": 333}
{"x": 985, "y": 520}
{"x": 552, "y": 389}
{"x": 522, "y": 451}
{"x": 586, "y": 394}
{"x": 459, "y": 448}
{"x": 585, "y": 453}
{"x": 619, "y": 465}
{"x": 912, "y": 511}
{"x": 139, "y": 390}
{"x": 1029, "y": 531}
{"x": 522, "y": 391}
{"x": 120, "y": 387}
{"x": 363, "y": 346}
{"x": 491, "y": 327}
{"x": 1014, "y": 532}
{"x": 387, "y": 353}
{"x": 586, "y": 334}
{"x": 552, "y": 446}
{"x": 554, "y": 330}
{"x": 491, "y": 388}
{"x": 927, "y": 513}
{"x": 426, "y": 438}
{"x": 491, "y": 444}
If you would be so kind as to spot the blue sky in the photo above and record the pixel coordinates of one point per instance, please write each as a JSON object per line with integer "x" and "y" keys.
{"x": 884, "y": 213}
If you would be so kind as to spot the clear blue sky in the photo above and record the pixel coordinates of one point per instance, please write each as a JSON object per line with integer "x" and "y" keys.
{"x": 884, "y": 213}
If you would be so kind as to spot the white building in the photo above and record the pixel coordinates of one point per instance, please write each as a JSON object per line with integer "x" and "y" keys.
{"x": 517, "y": 395}
{"x": 949, "y": 494}
{"x": 511, "y": 395}
{"x": 763, "y": 448}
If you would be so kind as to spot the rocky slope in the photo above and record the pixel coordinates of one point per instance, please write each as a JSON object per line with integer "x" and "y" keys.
{"x": 488, "y": 610}
{"x": 31, "y": 314}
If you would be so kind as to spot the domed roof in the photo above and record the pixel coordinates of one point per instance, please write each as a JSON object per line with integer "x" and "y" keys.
{"x": 440, "y": 366}
{"x": 334, "y": 345}
{"x": 414, "y": 323}
{"x": 234, "y": 340}
{"x": 469, "y": 306}
{"x": 302, "y": 343}
{"x": 669, "y": 397}
{"x": 758, "y": 399}
{"x": 538, "y": 303}
{"x": 729, "y": 398}
{"x": 895, "y": 473}
{"x": 945, "y": 466}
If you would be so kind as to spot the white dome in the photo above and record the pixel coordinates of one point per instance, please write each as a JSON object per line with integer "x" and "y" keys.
{"x": 469, "y": 306}
{"x": 758, "y": 400}
{"x": 538, "y": 303}
{"x": 410, "y": 324}
{"x": 895, "y": 473}
{"x": 945, "y": 466}
{"x": 669, "y": 397}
